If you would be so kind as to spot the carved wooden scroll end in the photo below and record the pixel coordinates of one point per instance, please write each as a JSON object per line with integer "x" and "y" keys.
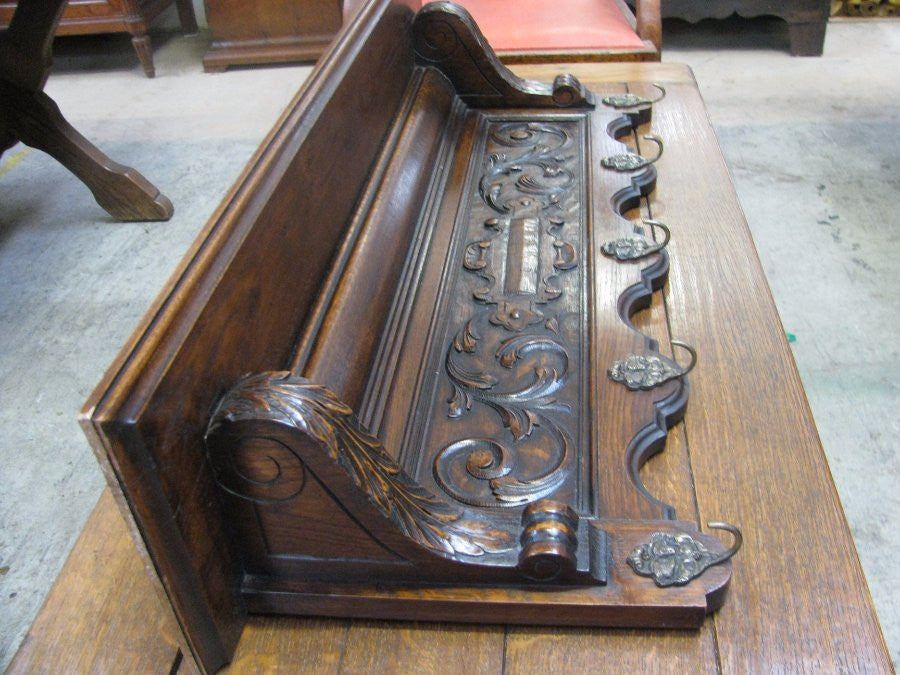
{"x": 271, "y": 427}
{"x": 447, "y": 38}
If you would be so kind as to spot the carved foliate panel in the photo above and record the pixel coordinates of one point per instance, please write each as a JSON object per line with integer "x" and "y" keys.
{"x": 505, "y": 398}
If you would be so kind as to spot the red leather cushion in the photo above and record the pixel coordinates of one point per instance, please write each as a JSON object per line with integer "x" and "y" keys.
{"x": 548, "y": 25}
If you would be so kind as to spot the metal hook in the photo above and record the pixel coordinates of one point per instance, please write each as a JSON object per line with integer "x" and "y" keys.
{"x": 690, "y": 350}
{"x": 738, "y": 539}
{"x": 632, "y": 100}
{"x": 648, "y": 372}
{"x": 675, "y": 559}
{"x": 634, "y": 248}
{"x": 631, "y": 161}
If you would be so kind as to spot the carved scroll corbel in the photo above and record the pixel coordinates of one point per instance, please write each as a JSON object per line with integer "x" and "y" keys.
{"x": 447, "y": 37}
{"x": 318, "y": 432}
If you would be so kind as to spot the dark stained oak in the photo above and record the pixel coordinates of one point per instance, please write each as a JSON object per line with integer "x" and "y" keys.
{"x": 296, "y": 506}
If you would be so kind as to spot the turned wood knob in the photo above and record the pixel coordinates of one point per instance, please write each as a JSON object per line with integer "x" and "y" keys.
{"x": 549, "y": 540}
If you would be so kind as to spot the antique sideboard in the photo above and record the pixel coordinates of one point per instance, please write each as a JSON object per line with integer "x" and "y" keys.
{"x": 806, "y": 19}
{"x": 83, "y": 17}
{"x": 269, "y": 31}
{"x": 595, "y": 371}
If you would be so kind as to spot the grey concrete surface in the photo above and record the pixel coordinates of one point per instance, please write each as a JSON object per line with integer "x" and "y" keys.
{"x": 812, "y": 144}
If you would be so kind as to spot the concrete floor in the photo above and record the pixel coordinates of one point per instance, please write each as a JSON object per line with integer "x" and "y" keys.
{"x": 812, "y": 144}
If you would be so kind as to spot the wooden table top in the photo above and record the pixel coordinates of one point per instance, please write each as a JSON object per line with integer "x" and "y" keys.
{"x": 798, "y": 600}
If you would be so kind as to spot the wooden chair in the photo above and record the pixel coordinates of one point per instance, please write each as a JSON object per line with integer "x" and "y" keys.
{"x": 536, "y": 31}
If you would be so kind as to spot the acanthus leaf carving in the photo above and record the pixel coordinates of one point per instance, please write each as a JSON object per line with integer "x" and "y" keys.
{"x": 293, "y": 401}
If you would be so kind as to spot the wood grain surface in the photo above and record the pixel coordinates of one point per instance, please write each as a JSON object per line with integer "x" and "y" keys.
{"x": 798, "y": 599}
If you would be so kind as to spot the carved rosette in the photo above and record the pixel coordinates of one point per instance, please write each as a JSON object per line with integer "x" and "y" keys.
{"x": 285, "y": 399}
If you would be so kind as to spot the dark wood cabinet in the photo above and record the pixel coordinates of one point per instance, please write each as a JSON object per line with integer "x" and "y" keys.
{"x": 269, "y": 31}
{"x": 806, "y": 19}
{"x": 82, "y": 17}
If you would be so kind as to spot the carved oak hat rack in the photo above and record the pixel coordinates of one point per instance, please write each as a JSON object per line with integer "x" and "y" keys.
{"x": 415, "y": 392}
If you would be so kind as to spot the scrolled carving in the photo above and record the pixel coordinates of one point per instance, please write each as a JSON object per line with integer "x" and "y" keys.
{"x": 293, "y": 401}
{"x": 445, "y": 36}
{"x": 261, "y": 470}
{"x": 480, "y": 471}
{"x": 551, "y": 177}
{"x": 518, "y": 408}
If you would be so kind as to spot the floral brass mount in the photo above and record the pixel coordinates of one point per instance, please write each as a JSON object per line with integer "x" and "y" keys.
{"x": 644, "y": 372}
{"x": 631, "y": 161}
{"x": 633, "y": 248}
{"x": 631, "y": 100}
{"x": 676, "y": 559}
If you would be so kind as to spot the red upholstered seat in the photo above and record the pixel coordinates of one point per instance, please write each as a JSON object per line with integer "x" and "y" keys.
{"x": 548, "y": 25}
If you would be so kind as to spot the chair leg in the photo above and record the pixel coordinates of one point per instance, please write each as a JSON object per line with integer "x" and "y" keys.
{"x": 141, "y": 44}
{"x": 807, "y": 39}
{"x": 35, "y": 119}
{"x": 186, "y": 16}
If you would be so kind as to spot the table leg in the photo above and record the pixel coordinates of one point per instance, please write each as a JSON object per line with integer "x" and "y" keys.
{"x": 141, "y": 44}
{"x": 35, "y": 119}
{"x": 186, "y": 16}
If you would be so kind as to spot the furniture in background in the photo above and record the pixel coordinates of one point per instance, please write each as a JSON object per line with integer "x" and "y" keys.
{"x": 82, "y": 17}
{"x": 542, "y": 31}
{"x": 28, "y": 115}
{"x": 269, "y": 31}
{"x": 521, "y": 31}
{"x": 806, "y": 19}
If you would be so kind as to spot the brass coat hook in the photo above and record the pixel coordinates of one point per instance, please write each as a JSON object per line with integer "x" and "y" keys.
{"x": 634, "y": 248}
{"x": 646, "y": 372}
{"x": 631, "y": 161}
{"x": 633, "y": 100}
